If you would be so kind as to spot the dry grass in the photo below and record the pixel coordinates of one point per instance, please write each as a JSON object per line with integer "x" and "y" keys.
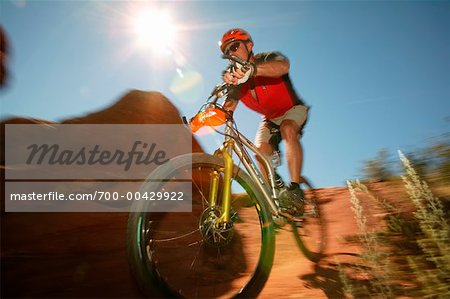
{"x": 407, "y": 256}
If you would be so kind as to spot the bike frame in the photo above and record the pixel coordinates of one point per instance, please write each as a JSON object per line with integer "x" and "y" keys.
{"x": 237, "y": 143}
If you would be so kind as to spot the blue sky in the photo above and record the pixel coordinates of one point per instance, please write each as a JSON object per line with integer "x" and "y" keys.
{"x": 376, "y": 73}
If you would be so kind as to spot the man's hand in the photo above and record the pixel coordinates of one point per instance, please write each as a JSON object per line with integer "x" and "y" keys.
{"x": 238, "y": 74}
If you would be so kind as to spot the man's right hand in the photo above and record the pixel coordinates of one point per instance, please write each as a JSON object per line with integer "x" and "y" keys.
{"x": 239, "y": 74}
{"x": 232, "y": 76}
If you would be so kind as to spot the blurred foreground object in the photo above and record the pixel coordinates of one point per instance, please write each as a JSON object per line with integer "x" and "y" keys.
{"x": 3, "y": 57}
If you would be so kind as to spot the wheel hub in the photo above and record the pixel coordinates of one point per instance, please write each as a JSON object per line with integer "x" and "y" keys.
{"x": 213, "y": 232}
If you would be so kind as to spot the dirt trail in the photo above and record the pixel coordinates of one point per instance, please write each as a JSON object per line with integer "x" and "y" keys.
{"x": 293, "y": 276}
{"x": 83, "y": 255}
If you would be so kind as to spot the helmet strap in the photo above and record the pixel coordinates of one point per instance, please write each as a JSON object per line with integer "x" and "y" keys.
{"x": 250, "y": 53}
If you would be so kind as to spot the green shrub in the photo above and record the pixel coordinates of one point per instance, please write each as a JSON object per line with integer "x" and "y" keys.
{"x": 379, "y": 168}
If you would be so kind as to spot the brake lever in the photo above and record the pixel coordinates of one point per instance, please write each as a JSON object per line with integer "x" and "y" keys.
{"x": 245, "y": 65}
{"x": 235, "y": 59}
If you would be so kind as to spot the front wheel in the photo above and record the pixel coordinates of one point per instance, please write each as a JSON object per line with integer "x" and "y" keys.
{"x": 185, "y": 254}
{"x": 310, "y": 234}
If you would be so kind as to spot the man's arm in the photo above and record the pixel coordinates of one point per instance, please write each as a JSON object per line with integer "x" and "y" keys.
{"x": 273, "y": 68}
{"x": 273, "y": 65}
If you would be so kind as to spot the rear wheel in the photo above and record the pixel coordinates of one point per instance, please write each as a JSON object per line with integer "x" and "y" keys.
{"x": 185, "y": 254}
{"x": 310, "y": 234}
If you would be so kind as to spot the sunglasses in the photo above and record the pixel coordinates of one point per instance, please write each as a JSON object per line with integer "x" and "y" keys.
{"x": 233, "y": 47}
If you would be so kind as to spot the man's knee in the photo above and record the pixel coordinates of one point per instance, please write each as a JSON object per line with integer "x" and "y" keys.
{"x": 265, "y": 148}
{"x": 289, "y": 130}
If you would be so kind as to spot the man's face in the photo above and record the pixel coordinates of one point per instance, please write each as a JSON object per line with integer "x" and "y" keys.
{"x": 239, "y": 49}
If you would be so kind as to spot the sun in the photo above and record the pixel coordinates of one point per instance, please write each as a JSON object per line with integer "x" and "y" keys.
{"x": 156, "y": 30}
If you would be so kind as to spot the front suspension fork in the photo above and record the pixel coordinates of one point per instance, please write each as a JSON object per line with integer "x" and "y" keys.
{"x": 225, "y": 153}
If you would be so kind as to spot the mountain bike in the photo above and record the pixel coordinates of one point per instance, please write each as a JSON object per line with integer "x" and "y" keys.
{"x": 225, "y": 246}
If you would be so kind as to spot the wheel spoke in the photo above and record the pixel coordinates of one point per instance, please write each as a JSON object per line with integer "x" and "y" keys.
{"x": 175, "y": 238}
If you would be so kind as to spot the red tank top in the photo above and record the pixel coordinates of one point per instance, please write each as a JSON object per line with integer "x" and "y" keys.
{"x": 271, "y": 97}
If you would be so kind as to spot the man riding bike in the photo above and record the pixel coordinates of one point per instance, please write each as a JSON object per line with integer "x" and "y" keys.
{"x": 265, "y": 87}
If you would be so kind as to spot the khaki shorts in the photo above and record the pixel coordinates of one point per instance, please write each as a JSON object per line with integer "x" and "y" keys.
{"x": 298, "y": 113}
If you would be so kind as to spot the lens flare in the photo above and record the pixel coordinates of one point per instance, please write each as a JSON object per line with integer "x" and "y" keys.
{"x": 187, "y": 85}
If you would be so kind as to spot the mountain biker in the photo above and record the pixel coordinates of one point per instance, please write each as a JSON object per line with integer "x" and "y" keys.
{"x": 265, "y": 87}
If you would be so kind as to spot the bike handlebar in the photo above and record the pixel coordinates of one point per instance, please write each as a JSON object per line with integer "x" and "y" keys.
{"x": 235, "y": 59}
{"x": 221, "y": 89}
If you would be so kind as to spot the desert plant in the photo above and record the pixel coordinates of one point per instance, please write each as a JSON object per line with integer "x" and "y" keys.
{"x": 439, "y": 155}
{"x": 410, "y": 256}
{"x": 379, "y": 168}
{"x": 373, "y": 255}
{"x": 433, "y": 267}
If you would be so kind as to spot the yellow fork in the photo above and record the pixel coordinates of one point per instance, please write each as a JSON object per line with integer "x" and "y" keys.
{"x": 214, "y": 186}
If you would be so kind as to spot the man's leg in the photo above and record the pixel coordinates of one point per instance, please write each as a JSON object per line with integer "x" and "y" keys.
{"x": 262, "y": 143}
{"x": 294, "y": 152}
{"x": 267, "y": 150}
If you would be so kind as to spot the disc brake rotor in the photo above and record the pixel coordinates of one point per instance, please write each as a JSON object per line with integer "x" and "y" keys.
{"x": 212, "y": 233}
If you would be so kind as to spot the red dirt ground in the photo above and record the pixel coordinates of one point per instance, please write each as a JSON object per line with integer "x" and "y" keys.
{"x": 83, "y": 255}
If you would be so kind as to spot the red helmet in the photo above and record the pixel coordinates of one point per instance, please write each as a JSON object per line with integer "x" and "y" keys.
{"x": 233, "y": 35}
